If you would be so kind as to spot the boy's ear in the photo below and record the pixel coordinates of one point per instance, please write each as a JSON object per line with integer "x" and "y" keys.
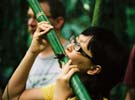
{"x": 96, "y": 69}
{"x": 59, "y": 22}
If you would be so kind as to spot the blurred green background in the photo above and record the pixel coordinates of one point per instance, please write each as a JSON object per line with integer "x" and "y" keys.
{"x": 116, "y": 15}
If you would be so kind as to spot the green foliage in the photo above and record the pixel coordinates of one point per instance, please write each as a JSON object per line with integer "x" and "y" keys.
{"x": 130, "y": 16}
{"x": 13, "y": 35}
{"x": 78, "y": 16}
{"x": 111, "y": 14}
{"x": 119, "y": 92}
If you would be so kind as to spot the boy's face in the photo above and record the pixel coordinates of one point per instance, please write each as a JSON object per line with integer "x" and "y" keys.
{"x": 32, "y": 22}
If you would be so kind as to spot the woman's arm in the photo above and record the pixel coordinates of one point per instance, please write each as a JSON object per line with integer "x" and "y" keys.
{"x": 16, "y": 85}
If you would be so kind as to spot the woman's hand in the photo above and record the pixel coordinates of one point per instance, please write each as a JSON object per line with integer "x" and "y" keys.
{"x": 63, "y": 90}
{"x": 38, "y": 42}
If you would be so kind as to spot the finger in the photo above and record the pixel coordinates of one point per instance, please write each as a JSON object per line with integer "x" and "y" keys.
{"x": 43, "y": 22}
{"x": 46, "y": 26}
{"x": 68, "y": 63}
{"x": 71, "y": 73}
{"x": 63, "y": 64}
{"x": 68, "y": 68}
{"x": 43, "y": 26}
{"x": 45, "y": 31}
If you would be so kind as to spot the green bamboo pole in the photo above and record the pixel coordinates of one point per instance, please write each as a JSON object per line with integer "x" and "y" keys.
{"x": 96, "y": 19}
{"x": 58, "y": 49}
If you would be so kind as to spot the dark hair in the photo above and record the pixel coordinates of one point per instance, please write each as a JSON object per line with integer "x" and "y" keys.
{"x": 57, "y": 8}
{"x": 110, "y": 54}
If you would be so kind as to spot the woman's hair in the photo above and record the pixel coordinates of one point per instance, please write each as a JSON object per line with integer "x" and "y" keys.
{"x": 110, "y": 55}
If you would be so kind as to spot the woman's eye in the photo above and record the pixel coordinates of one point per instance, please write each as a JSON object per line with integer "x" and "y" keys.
{"x": 77, "y": 48}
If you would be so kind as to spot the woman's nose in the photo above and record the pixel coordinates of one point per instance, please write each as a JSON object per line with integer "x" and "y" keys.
{"x": 70, "y": 47}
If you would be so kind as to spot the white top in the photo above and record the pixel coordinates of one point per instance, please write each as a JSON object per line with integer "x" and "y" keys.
{"x": 44, "y": 71}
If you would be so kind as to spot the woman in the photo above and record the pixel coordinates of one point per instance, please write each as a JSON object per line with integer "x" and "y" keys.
{"x": 103, "y": 67}
{"x": 96, "y": 54}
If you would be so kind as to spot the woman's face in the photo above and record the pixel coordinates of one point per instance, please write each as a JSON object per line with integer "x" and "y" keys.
{"x": 77, "y": 56}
